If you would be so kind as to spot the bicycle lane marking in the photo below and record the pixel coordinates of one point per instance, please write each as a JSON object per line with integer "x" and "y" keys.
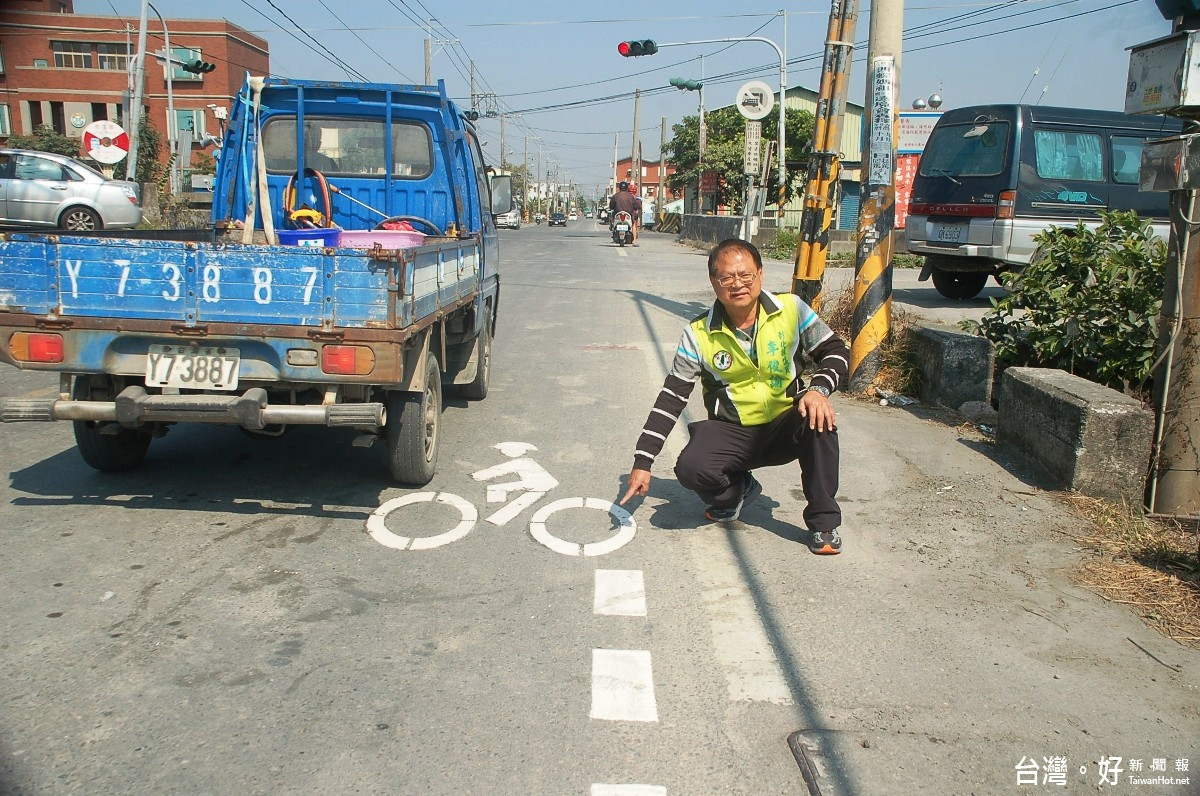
{"x": 534, "y": 481}
{"x": 626, "y": 532}
{"x": 376, "y": 523}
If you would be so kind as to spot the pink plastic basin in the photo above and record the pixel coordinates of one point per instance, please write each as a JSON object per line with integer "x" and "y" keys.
{"x": 386, "y": 238}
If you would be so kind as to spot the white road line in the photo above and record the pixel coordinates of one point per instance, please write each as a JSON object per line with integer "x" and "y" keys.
{"x": 622, "y": 686}
{"x": 621, "y": 252}
{"x": 619, "y": 592}
{"x": 743, "y": 650}
{"x": 599, "y": 789}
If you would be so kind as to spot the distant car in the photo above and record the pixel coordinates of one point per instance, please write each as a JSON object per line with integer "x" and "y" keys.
{"x": 41, "y": 189}
{"x": 573, "y": 217}
{"x": 588, "y": 214}
{"x": 511, "y": 219}
{"x": 558, "y": 219}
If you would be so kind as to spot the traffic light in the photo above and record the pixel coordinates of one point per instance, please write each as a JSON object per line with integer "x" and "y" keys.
{"x": 683, "y": 84}
{"x": 631, "y": 49}
{"x": 199, "y": 67}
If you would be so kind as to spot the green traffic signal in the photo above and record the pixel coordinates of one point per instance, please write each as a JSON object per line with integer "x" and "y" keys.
{"x": 683, "y": 84}
{"x": 199, "y": 67}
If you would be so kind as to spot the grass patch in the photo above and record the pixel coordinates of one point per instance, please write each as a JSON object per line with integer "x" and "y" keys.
{"x": 1153, "y": 566}
{"x": 898, "y": 371}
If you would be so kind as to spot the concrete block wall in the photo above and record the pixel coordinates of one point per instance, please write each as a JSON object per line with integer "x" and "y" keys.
{"x": 1075, "y": 434}
{"x": 956, "y": 367}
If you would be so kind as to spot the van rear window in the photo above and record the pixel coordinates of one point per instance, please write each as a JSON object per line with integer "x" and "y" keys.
{"x": 966, "y": 150}
{"x": 1063, "y": 155}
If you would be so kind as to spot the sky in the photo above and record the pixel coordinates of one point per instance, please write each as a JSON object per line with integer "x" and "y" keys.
{"x": 566, "y": 93}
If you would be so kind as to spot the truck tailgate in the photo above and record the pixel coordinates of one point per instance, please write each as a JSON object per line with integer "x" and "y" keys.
{"x": 196, "y": 283}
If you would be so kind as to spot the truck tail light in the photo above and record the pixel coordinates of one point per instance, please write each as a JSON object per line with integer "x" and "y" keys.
{"x": 347, "y": 360}
{"x": 36, "y": 347}
{"x": 1006, "y": 203}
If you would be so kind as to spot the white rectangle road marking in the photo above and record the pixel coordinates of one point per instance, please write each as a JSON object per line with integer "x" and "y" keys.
{"x": 619, "y": 592}
{"x": 622, "y": 686}
{"x": 599, "y": 789}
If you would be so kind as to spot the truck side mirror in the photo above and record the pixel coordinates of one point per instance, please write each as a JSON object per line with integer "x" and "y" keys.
{"x": 502, "y": 198}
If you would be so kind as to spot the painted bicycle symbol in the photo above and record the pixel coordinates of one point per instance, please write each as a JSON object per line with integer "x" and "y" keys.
{"x": 531, "y": 484}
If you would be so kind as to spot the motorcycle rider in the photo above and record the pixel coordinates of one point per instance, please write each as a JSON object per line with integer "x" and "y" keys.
{"x": 626, "y": 201}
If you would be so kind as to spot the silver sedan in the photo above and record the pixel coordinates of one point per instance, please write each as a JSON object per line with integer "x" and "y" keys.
{"x": 41, "y": 189}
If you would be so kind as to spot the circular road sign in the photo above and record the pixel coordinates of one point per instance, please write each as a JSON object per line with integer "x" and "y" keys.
{"x": 755, "y": 100}
{"x": 105, "y": 142}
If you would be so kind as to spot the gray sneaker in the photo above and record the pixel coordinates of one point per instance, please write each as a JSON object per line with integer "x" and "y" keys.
{"x": 751, "y": 489}
{"x": 825, "y": 543}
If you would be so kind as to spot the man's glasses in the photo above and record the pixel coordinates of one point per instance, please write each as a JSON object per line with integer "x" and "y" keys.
{"x": 729, "y": 280}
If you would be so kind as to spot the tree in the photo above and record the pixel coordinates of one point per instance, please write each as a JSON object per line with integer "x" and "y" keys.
{"x": 726, "y": 151}
{"x": 44, "y": 139}
{"x": 149, "y": 147}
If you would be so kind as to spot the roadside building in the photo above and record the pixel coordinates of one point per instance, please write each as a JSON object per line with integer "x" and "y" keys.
{"x": 66, "y": 70}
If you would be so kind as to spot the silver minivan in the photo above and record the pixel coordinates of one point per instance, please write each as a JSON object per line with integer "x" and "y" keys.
{"x": 41, "y": 189}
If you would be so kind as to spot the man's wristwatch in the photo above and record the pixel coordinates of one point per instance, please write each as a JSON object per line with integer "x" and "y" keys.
{"x": 817, "y": 387}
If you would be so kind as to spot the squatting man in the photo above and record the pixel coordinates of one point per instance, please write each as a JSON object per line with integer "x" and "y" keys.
{"x": 746, "y": 351}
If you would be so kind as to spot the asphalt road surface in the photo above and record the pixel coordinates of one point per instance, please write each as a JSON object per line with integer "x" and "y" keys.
{"x": 227, "y": 619}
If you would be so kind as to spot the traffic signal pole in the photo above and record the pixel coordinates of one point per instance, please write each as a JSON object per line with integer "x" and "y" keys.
{"x": 135, "y": 106}
{"x": 871, "y": 323}
{"x": 820, "y": 194}
{"x": 648, "y": 47}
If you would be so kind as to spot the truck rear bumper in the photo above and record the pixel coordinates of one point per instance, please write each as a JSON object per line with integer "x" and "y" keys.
{"x": 134, "y": 407}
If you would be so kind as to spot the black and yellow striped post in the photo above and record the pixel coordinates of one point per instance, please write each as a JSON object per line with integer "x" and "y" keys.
{"x": 812, "y": 249}
{"x": 871, "y": 323}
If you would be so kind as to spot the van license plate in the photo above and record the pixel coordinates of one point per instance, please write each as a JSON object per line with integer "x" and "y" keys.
{"x": 193, "y": 367}
{"x": 948, "y": 234}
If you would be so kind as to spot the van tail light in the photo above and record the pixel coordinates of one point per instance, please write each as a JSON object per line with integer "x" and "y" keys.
{"x": 36, "y": 347}
{"x": 347, "y": 360}
{"x": 1006, "y": 204}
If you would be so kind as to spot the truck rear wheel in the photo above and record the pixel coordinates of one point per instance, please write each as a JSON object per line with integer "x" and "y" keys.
{"x": 108, "y": 453}
{"x": 477, "y": 390}
{"x": 958, "y": 284}
{"x": 413, "y": 428}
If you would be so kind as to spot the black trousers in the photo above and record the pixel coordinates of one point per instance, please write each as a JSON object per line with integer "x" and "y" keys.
{"x": 714, "y": 460}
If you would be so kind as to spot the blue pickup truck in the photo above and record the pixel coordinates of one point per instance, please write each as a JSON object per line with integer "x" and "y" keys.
{"x": 350, "y": 272}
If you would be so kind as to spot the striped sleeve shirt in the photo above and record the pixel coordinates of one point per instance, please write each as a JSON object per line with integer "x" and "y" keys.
{"x": 825, "y": 348}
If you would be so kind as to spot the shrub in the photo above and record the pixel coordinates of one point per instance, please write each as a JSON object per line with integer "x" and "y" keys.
{"x": 1088, "y": 303}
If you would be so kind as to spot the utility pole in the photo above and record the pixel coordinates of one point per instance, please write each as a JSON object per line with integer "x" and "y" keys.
{"x": 525, "y": 179}
{"x": 662, "y": 167}
{"x": 872, "y": 319}
{"x": 135, "y": 106}
{"x": 1174, "y": 484}
{"x": 821, "y": 186}
{"x": 616, "y": 149}
{"x": 635, "y": 161}
{"x": 429, "y": 58}
{"x": 502, "y": 161}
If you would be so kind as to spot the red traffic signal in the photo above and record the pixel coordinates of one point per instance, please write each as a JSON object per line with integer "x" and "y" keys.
{"x": 630, "y": 49}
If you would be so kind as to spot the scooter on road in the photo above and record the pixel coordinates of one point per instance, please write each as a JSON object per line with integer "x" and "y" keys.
{"x": 622, "y": 228}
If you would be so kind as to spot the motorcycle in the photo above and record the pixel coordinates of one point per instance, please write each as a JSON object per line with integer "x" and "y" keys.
{"x": 622, "y": 228}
